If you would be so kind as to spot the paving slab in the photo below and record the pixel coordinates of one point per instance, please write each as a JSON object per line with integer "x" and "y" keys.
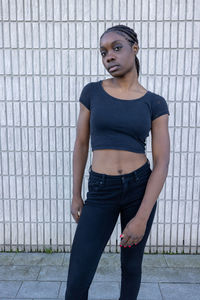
{"x": 38, "y": 259}
{"x": 66, "y": 259}
{"x": 107, "y": 290}
{"x": 109, "y": 268}
{"x": 150, "y": 291}
{"x": 177, "y": 291}
{"x": 48, "y": 273}
{"x": 6, "y": 258}
{"x": 38, "y": 289}
{"x": 185, "y": 275}
{"x": 183, "y": 261}
{"x": 19, "y": 272}
{"x": 154, "y": 260}
{"x": 9, "y": 288}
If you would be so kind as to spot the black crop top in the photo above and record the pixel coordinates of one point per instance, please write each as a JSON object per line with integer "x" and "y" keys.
{"x": 120, "y": 124}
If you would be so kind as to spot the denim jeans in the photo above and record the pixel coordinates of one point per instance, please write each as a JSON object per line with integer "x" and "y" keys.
{"x": 107, "y": 197}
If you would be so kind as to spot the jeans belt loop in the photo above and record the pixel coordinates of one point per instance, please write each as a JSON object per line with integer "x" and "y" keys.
{"x": 103, "y": 178}
{"x": 135, "y": 175}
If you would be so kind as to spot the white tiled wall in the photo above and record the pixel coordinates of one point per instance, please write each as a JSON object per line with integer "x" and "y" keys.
{"x": 48, "y": 51}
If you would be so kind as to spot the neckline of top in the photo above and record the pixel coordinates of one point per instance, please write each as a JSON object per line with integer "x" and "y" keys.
{"x": 126, "y": 100}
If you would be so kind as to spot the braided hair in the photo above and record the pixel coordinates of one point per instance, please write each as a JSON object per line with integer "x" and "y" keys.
{"x": 129, "y": 34}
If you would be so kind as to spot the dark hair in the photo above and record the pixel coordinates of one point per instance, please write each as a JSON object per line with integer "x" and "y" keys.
{"x": 129, "y": 34}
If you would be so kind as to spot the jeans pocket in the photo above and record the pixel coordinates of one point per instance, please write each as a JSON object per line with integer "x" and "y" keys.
{"x": 94, "y": 183}
{"x": 144, "y": 177}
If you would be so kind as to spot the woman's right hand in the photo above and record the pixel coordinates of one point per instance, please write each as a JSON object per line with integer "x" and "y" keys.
{"x": 76, "y": 208}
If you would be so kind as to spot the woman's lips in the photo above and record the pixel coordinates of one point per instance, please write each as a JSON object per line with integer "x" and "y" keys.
{"x": 113, "y": 68}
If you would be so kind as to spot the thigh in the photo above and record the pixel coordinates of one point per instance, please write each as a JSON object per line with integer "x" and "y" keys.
{"x": 128, "y": 211}
{"x": 93, "y": 231}
{"x": 95, "y": 226}
{"x": 132, "y": 197}
{"x": 132, "y": 257}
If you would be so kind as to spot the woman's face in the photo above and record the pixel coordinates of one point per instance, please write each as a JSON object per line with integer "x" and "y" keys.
{"x": 116, "y": 50}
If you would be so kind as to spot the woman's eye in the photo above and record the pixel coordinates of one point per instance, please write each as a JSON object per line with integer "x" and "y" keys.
{"x": 102, "y": 53}
{"x": 117, "y": 47}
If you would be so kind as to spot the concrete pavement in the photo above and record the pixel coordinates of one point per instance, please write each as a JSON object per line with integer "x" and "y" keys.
{"x": 43, "y": 276}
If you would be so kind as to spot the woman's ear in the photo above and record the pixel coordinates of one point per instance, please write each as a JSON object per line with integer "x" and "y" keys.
{"x": 135, "y": 48}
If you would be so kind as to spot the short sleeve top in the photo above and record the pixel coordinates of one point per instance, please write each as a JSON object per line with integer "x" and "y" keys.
{"x": 117, "y": 123}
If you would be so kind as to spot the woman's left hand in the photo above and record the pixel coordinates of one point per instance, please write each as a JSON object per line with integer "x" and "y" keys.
{"x": 133, "y": 232}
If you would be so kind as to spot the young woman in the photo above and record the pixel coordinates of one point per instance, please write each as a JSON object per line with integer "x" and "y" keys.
{"x": 118, "y": 113}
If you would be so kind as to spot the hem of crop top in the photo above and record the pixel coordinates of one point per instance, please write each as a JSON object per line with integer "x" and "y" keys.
{"x": 126, "y": 100}
{"x": 117, "y": 148}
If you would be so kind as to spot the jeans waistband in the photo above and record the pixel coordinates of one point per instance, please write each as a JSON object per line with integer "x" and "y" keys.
{"x": 133, "y": 174}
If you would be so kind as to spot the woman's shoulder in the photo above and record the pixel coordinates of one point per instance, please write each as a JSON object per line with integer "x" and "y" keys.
{"x": 159, "y": 105}
{"x": 156, "y": 95}
{"x": 91, "y": 85}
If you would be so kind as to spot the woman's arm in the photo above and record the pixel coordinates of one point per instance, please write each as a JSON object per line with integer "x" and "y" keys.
{"x": 80, "y": 155}
{"x": 154, "y": 186}
{"x": 135, "y": 229}
{"x": 161, "y": 157}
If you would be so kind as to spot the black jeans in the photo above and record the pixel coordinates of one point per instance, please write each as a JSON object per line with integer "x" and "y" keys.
{"x": 107, "y": 197}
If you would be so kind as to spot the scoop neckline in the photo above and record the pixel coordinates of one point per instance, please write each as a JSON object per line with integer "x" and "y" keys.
{"x": 118, "y": 99}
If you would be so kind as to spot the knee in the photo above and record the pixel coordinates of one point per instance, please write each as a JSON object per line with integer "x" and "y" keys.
{"x": 72, "y": 285}
{"x": 132, "y": 268}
